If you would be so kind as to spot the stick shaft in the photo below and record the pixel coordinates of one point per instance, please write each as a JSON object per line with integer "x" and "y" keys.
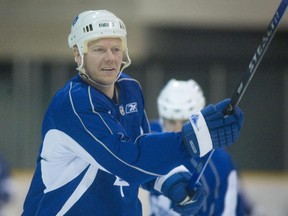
{"x": 257, "y": 57}
{"x": 240, "y": 90}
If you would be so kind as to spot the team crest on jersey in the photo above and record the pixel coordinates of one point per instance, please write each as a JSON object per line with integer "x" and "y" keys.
{"x": 131, "y": 107}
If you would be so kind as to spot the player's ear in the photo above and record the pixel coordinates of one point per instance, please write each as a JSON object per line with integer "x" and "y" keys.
{"x": 77, "y": 56}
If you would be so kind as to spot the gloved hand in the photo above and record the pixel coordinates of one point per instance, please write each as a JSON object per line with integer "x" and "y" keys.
{"x": 192, "y": 206}
{"x": 211, "y": 129}
{"x": 174, "y": 185}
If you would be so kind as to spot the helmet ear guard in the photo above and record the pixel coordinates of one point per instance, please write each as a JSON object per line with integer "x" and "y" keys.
{"x": 179, "y": 99}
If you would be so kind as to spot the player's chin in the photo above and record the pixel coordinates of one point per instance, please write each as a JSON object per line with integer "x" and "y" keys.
{"x": 108, "y": 80}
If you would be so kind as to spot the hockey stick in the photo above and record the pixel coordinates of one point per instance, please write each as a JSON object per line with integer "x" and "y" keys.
{"x": 246, "y": 79}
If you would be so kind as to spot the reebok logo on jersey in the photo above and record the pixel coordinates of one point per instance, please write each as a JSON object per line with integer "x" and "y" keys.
{"x": 194, "y": 120}
{"x": 131, "y": 107}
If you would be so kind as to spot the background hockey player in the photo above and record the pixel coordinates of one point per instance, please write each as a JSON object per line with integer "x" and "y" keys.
{"x": 220, "y": 178}
{"x": 97, "y": 150}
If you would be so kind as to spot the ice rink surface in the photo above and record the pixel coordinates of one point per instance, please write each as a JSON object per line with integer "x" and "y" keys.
{"x": 268, "y": 192}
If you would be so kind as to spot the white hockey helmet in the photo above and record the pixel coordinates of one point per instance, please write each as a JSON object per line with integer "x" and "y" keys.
{"x": 94, "y": 25}
{"x": 179, "y": 99}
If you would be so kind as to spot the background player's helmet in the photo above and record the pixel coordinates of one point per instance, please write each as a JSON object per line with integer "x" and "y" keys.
{"x": 93, "y": 25}
{"x": 179, "y": 99}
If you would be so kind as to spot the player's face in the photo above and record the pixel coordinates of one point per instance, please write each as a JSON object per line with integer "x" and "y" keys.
{"x": 171, "y": 125}
{"x": 103, "y": 60}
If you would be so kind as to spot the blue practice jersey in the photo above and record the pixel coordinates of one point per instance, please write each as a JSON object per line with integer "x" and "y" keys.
{"x": 219, "y": 180}
{"x": 95, "y": 153}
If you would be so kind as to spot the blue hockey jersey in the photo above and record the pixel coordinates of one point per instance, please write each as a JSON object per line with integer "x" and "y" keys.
{"x": 96, "y": 153}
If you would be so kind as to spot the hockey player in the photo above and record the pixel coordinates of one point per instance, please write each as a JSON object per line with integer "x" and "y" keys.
{"x": 97, "y": 150}
{"x": 220, "y": 176}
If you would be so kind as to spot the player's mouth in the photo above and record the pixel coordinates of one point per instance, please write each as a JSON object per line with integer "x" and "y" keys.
{"x": 108, "y": 69}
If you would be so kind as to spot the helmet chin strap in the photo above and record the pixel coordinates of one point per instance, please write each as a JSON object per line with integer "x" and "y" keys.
{"x": 84, "y": 75}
